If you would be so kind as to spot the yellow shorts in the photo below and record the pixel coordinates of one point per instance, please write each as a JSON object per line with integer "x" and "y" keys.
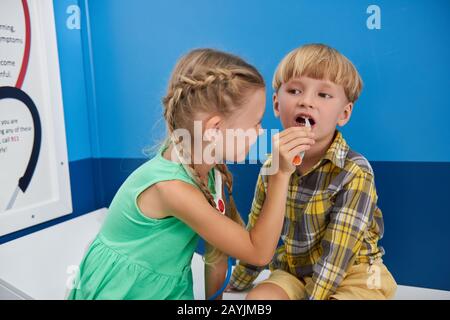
{"x": 362, "y": 281}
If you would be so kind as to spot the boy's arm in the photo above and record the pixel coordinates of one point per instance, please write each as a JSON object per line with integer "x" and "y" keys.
{"x": 354, "y": 206}
{"x": 244, "y": 274}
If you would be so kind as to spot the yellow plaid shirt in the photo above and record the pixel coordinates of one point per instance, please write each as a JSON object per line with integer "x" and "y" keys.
{"x": 331, "y": 221}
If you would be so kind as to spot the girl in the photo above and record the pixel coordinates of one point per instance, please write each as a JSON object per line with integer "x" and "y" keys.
{"x": 146, "y": 244}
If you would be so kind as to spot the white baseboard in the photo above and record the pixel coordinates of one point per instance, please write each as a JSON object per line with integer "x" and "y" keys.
{"x": 36, "y": 266}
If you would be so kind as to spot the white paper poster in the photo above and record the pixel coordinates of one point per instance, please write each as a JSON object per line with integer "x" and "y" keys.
{"x": 34, "y": 176}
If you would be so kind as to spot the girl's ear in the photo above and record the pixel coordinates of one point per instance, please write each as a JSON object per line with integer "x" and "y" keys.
{"x": 344, "y": 117}
{"x": 276, "y": 105}
{"x": 212, "y": 124}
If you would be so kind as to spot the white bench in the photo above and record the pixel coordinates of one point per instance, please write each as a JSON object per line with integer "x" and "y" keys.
{"x": 403, "y": 292}
{"x": 36, "y": 266}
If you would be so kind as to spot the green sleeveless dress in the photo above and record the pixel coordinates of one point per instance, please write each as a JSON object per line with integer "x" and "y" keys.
{"x": 137, "y": 257}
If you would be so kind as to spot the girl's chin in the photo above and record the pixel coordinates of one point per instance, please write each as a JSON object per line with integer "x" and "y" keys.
{"x": 236, "y": 159}
{"x": 241, "y": 159}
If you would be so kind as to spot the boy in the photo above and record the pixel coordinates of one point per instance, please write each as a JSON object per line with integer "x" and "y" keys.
{"x": 332, "y": 222}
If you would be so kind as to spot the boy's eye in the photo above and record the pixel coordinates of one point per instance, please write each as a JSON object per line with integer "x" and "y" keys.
{"x": 325, "y": 95}
{"x": 294, "y": 91}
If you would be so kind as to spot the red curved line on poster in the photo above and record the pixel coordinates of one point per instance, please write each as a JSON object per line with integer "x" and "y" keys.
{"x": 26, "y": 53}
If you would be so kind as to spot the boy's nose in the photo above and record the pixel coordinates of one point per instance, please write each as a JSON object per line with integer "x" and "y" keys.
{"x": 306, "y": 100}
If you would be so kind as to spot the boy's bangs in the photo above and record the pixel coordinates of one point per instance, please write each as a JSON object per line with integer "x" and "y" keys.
{"x": 320, "y": 64}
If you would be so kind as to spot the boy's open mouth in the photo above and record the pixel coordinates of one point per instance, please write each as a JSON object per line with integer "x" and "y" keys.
{"x": 300, "y": 120}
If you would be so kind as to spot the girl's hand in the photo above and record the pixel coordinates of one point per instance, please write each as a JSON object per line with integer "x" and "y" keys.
{"x": 288, "y": 144}
{"x": 214, "y": 274}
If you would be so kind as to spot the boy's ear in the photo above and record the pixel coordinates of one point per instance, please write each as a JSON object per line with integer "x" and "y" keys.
{"x": 345, "y": 115}
{"x": 276, "y": 105}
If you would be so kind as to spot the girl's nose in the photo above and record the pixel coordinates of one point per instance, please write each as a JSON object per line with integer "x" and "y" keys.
{"x": 260, "y": 131}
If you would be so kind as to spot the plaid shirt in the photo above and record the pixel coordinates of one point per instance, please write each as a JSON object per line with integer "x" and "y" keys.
{"x": 331, "y": 221}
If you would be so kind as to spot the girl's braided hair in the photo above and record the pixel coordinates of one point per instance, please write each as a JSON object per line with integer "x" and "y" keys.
{"x": 207, "y": 80}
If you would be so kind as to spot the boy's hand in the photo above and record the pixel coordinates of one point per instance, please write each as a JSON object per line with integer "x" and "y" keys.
{"x": 288, "y": 144}
{"x": 229, "y": 288}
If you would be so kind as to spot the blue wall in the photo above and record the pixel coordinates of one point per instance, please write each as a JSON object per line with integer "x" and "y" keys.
{"x": 400, "y": 123}
{"x": 114, "y": 74}
{"x": 404, "y": 65}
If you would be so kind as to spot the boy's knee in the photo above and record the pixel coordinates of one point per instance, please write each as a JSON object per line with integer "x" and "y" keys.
{"x": 267, "y": 291}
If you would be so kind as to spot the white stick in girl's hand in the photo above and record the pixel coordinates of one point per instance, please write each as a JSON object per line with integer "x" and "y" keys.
{"x": 298, "y": 159}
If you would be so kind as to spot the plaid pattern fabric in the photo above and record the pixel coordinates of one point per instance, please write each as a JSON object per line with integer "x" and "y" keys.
{"x": 331, "y": 221}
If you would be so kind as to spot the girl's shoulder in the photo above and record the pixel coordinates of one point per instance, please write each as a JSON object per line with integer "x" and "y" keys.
{"x": 159, "y": 169}
{"x": 139, "y": 197}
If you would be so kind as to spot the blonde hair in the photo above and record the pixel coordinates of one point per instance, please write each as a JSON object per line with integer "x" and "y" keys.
{"x": 319, "y": 61}
{"x": 211, "y": 81}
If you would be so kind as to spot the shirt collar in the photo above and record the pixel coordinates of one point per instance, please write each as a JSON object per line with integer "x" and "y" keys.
{"x": 338, "y": 150}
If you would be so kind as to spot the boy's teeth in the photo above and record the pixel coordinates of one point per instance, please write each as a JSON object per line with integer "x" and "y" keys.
{"x": 301, "y": 121}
